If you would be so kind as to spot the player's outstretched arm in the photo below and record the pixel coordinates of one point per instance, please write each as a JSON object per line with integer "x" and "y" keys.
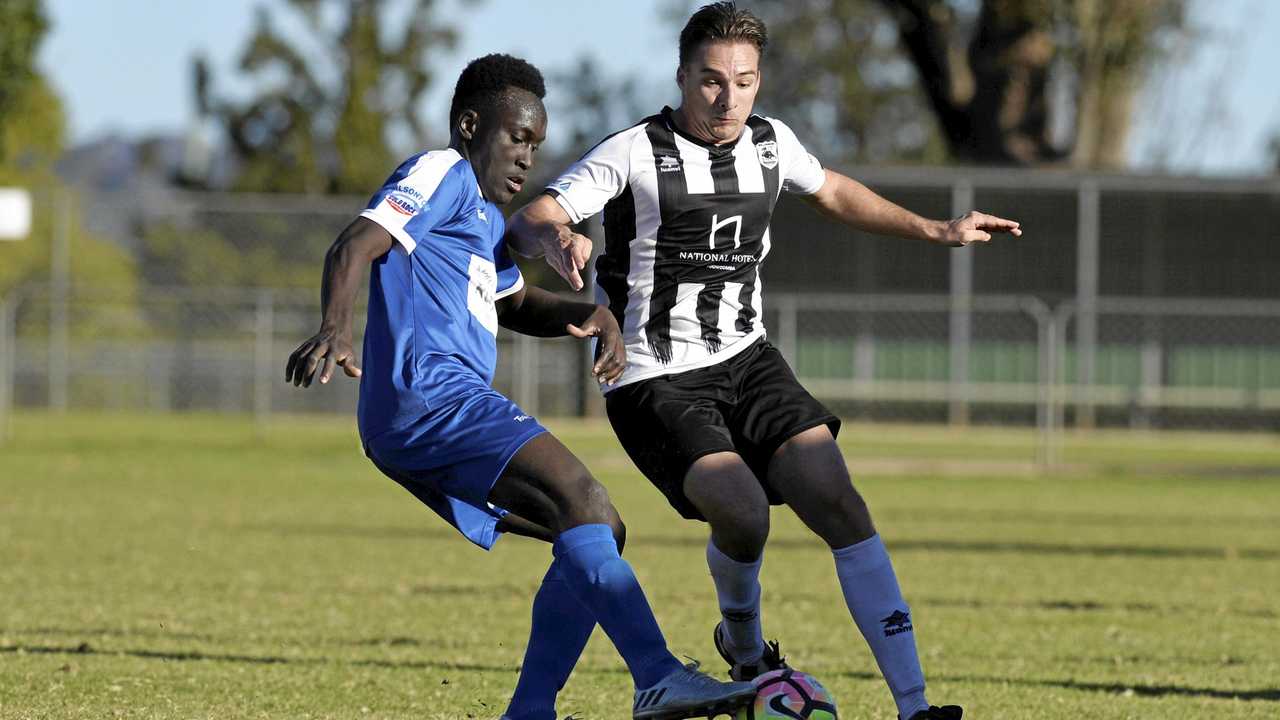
{"x": 362, "y": 242}
{"x": 854, "y": 204}
{"x": 534, "y": 311}
{"x": 542, "y": 228}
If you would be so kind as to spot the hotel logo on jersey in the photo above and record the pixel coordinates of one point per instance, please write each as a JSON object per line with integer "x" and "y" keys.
{"x": 406, "y": 200}
{"x": 767, "y": 151}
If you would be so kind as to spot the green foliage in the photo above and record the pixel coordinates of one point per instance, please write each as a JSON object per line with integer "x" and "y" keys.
{"x": 302, "y": 133}
{"x": 22, "y": 27}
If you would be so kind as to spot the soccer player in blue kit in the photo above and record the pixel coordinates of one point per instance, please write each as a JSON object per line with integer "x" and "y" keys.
{"x": 441, "y": 284}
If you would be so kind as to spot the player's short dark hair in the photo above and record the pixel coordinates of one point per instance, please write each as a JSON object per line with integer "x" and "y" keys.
{"x": 483, "y": 80}
{"x": 722, "y": 21}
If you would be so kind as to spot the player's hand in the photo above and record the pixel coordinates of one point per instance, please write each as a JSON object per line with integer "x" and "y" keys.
{"x": 323, "y": 351}
{"x": 975, "y": 227}
{"x": 567, "y": 252}
{"x": 611, "y": 353}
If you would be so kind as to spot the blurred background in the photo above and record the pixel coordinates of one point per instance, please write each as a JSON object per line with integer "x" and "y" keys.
{"x": 172, "y": 176}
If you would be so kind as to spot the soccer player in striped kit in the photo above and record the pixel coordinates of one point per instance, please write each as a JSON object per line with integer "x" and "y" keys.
{"x": 707, "y": 409}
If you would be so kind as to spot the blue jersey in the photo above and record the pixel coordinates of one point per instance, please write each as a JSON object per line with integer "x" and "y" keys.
{"x": 432, "y": 325}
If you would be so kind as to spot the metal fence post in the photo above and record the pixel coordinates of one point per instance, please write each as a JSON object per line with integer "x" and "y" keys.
{"x": 8, "y": 338}
{"x": 1046, "y": 352}
{"x": 59, "y": 289}
{"x": 1087, "y": 240}
{"x": 263, "y": 345}
{"x": 961, "y": 317}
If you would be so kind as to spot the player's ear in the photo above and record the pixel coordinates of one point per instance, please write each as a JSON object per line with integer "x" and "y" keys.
{"x": 680, "y": 76}
{"x": 468, "y": 124}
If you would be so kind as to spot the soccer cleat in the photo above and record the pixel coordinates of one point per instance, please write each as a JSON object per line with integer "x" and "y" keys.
{"x": 946, "y": 712}
{"x": 690, "y": 693}
{"x": 771, "y": 659}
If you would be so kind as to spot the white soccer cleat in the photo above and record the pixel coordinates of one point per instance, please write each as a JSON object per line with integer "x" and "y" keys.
{"x": 690, "y": 693}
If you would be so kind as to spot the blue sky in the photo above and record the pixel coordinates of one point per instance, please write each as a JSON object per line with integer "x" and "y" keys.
{"x": 123, "y": 66}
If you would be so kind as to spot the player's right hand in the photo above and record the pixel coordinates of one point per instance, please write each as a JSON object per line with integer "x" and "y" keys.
{"x": 324, "y": 350}
{"x": 567, "y": 252}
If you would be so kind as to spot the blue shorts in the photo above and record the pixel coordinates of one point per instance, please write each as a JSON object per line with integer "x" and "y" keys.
{"x": 451, "y": 458}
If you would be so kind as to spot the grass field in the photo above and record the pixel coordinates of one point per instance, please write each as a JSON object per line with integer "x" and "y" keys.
{"x": 194, "y": 567}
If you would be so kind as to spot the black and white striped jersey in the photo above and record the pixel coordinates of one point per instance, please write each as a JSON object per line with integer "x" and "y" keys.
{"x": 686, "y": 227}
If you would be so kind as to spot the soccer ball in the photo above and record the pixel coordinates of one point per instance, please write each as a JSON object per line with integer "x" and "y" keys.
{"x": 788, "y": 694}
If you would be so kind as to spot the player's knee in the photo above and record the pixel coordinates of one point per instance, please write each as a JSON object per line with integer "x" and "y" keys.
{"x": 619, "y": 532}
{"x": 584, "y": 500}
{"x": 743, "y": 535}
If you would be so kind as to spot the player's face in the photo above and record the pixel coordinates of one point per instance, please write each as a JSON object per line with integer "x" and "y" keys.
{"x": 718, "y": 88}
{"x": 504, "y": 145}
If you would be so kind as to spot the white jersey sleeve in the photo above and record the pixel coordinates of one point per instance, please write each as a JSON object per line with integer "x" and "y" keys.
{"x": 600, "y": 176}
{"x": 801, "y": 172}
{"x": 417, "y": 197}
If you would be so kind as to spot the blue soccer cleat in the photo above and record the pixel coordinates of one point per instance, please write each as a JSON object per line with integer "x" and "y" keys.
{"x": 690, "y": 693}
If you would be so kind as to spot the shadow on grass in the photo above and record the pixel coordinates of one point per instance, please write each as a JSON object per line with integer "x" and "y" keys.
{"x": 812, "y": 543}
{"x": 1086, "y": 606}
{"x": 1270, "y": 695}
{"x": 199, "y": 656}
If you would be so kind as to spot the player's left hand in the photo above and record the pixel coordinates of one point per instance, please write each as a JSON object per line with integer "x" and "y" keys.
{"x": 611, "y": 353}
{"x": 976, "y": 227}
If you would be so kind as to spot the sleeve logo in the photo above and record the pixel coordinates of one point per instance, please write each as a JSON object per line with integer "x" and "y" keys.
{"x": 406, "y": 200}
{"x": 767, "y": 151}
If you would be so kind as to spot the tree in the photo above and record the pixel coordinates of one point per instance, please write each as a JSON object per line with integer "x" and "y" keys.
{"x": 32, "y": 136}
{"x": 303, "y": 134}
{"x": 1021, "y": 82}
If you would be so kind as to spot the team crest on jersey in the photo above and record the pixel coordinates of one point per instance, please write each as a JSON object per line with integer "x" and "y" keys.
{"x": 767, "y": 151}
{"x": 405, "y": 200}
{"x": 668, "y": 163}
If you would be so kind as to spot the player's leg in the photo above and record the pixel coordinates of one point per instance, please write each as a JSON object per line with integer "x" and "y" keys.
{"x": 810, "y": 474}
{"x": 730, "y": 497}
{"x": 545, "y": 482}
{"x": 674, "y": 431}
{"x": 558, "y": 632}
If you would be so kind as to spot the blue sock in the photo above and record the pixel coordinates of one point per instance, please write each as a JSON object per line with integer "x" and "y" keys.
{"x": 875, "y": 601}
{"x": 600, "y": 579}
{"x": 560, "y": 630}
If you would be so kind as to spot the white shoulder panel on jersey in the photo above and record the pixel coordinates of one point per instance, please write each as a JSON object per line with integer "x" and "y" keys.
{"x": 600, "y": 176}
{"x": 406, "y": 195}
{"x": 801, "y": 172}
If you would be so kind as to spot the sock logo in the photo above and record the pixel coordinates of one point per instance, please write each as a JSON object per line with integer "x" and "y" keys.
{"x": 898, "y": 622}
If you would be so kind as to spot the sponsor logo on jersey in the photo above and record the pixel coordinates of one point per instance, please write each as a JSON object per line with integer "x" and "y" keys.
{"x": 898, "y": 622}
{"x": 767, "y": 151}
{"x": 406, "y": 200}
{"x": 668, "y": 163}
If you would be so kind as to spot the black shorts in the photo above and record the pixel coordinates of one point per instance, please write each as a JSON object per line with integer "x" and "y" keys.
{"x": 749, "y": 404}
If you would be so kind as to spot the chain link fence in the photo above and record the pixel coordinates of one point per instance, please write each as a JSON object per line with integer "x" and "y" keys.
{"x": 919, "y": 358}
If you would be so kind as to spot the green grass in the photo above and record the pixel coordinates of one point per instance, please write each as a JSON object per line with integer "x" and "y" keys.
{"x": 194, "y": 567}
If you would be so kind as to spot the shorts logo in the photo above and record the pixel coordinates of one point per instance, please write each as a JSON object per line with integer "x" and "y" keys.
{"x": 898, "y": 622}
{"x": 767, "y": 151}
{"x": 667, "y": 163}
{"x": 522, "y": 418}
{"x": 406, "y": 201}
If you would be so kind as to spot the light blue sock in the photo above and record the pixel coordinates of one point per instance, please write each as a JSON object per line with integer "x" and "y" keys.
{"x": 875, "y": 601}
{"x": 560, "y": 630}
{"x": 600, "y": 579}
{"x": 738, "y": 590}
